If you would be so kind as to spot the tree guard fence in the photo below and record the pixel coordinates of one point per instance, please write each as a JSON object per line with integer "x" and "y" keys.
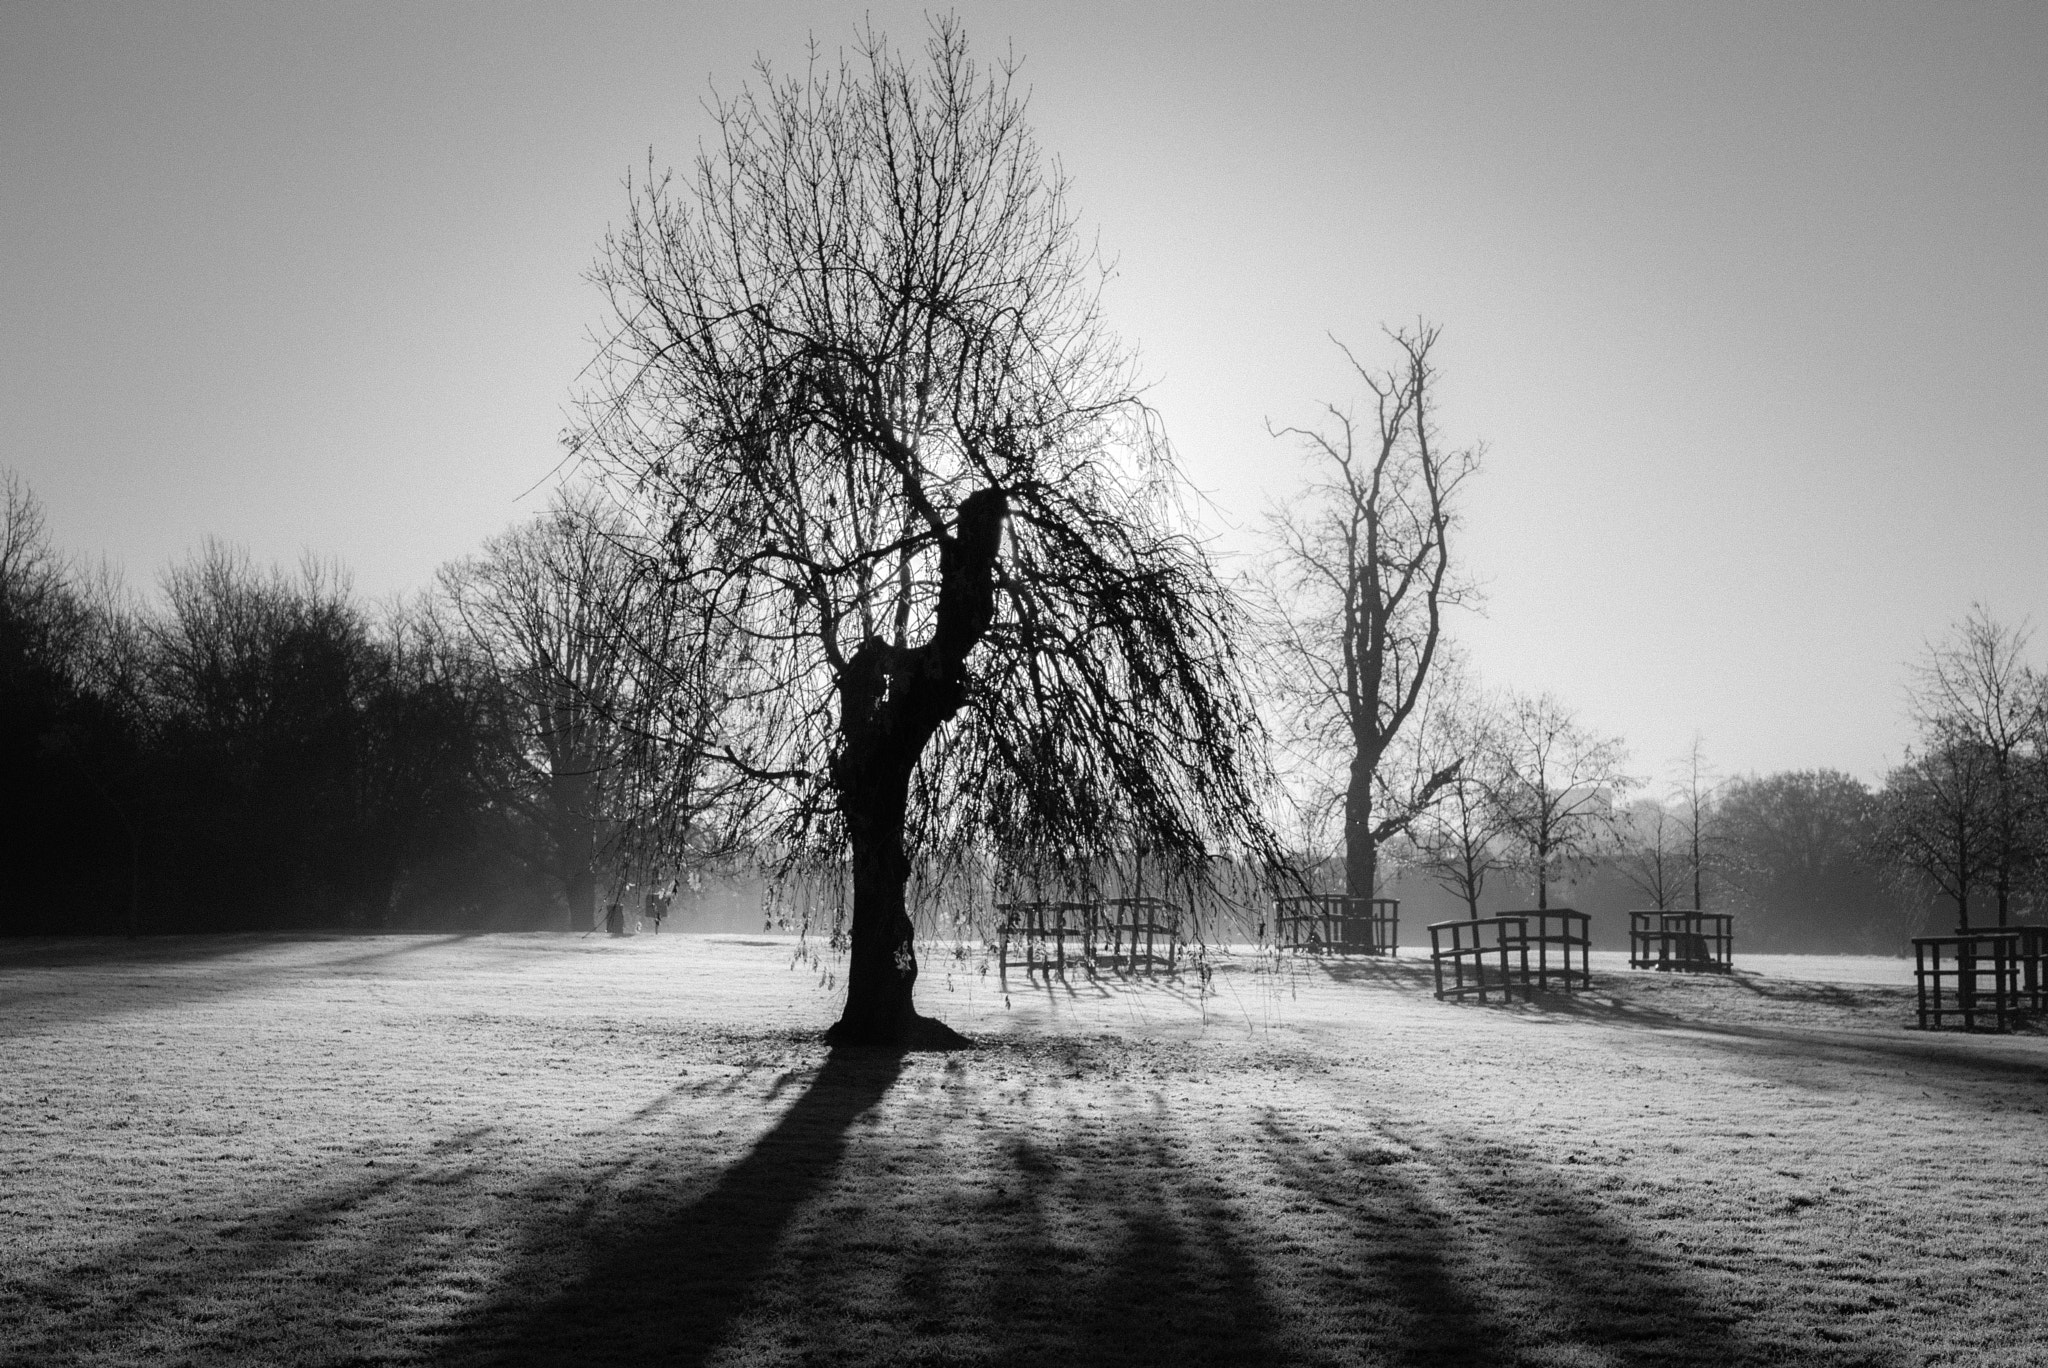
{"x": 1139, "y": 933}
{"x": 1686, "y": 941}
{"x": 1337, "y": 924}
{"x": 1035, "y": 935}
{"x": 1982, "y": 979}
{"x": 1515, "y": 952}
{"x": 1125, "y": 934}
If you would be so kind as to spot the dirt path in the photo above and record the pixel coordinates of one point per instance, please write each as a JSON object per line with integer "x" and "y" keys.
{"x": 508, "y": 1149}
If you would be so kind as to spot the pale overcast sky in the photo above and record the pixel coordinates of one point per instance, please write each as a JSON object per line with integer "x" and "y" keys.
{"x": 1749, "y": 303}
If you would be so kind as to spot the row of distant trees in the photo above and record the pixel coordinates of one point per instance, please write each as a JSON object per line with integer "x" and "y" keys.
{"x": 255, "y": 748}
{"x": 1810, "y": 860}
{"x": 259, "y": 749}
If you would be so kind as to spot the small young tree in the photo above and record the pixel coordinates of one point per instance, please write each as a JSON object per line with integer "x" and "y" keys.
{"x": 859, "y": 387}
{"x": 1355, "y": 589}
{"x": 1463, "y": 836}
{"x": 1558, "y": 787}
{"x": 1694, "y": 799}
{"x": 1651, "y": 851}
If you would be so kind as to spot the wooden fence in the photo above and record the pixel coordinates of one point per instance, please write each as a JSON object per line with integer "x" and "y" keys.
{"x": 1686, "y": 941}
{"x": 1335, "y": 924}
{"x": 1514, "y": 952}
{"x": 1124, "y": 934}
{"x": 1982, "y": 979}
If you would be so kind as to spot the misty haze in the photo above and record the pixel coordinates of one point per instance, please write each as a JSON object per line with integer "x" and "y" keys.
{"x": 696, "y": 684}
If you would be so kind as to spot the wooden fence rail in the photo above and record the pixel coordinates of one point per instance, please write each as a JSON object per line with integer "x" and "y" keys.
{"x": 1982, "y": 979}
{"x": 1685, "y": 941}
{"x": 1515, "y": 951}
{"x": 1124, "y": 934}
{"x": 1336, "y": 924}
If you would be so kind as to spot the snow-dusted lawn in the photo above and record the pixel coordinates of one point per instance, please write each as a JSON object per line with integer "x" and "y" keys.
{"x": 549, "y": 1150}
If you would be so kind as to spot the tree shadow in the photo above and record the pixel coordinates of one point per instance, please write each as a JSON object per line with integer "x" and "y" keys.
{"x": 256, "y": 1282}
{"x": 980, "y": 1218}
{"x": 1481, "y": 1254}
{"x": 664, "y": 1286}
{"x": 1379, "y": 971}
{"x": 52, "y": 983}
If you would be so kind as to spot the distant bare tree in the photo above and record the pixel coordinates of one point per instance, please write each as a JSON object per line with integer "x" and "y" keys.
{"x": 1463, "y": 837}
{"x": 1980, "y": 710}
{"x": 611, "y": 681}
{"x": 859, "y": 386}
{"x": 1694, "y": 796}
{"x": 1360, "y": 574}
{"x": 1937, "y": 815}
{"x": 1651, "y": 852}
{"x": 1558, "y": 787}
{"x": 41, "y": 616}
{"x": 1796, "y": 856}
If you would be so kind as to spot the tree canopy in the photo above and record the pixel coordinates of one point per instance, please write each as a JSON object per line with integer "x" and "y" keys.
{"x": 858, "y": 382}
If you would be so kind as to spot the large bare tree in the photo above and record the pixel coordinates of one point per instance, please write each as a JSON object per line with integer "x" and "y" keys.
{"x": 1356, "y": 588}
{"x": 858, "y": 381}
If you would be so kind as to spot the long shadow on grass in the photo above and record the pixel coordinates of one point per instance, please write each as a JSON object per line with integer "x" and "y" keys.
{"x": 664, "y": 1286}
{"x": 53, "y": 983}
{"x": 249, "y": 1284}
{"x": 1943, "y": 1059}
{"x": 1482, "y": 1254}
{"x": 957, "y": 1237}
{"x": 1097, "y": 1253}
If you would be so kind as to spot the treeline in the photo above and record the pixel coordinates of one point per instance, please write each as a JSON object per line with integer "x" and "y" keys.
{"x": 1809, "y": 861}
{"x": 260, "y": 749}
{"x": 256, "y": 749}
{"x": 1797, "y": 856}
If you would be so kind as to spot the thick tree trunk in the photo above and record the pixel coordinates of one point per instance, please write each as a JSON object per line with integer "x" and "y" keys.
{"x": 882, "y": 968}
{"x": 891, "y": 700}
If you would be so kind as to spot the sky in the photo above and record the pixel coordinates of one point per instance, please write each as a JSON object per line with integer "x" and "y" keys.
{"x": 1747, "y": 304}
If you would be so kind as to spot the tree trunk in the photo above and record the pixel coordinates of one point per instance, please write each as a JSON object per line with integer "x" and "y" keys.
{"x": 892, "y": 699}
{"x": 581, "y": 887}
{"x": 882, "y": 968}
{"x": 1361, "y": 854}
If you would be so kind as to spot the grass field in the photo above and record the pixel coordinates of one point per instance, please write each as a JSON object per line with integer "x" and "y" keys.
{"x": 552, "y": 1150}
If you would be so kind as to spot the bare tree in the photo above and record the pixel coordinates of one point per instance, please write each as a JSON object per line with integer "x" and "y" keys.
{"x": 1651, "y": 851}
{"x": 1981, "y": 706}
{"x": 1937, "y": 816}
{"x": 1360, "y": 574}
{"x": 1461, "y": 839}
{"x": 610, "y": 681}
{"x": 1559, "y": 784}
{"x": 858, "y": 381}
{"x": 1695, "y": 797}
